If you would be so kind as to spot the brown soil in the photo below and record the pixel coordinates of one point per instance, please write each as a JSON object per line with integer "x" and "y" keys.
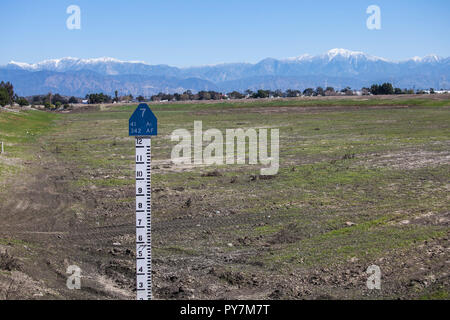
{"x": 47, "y": 234}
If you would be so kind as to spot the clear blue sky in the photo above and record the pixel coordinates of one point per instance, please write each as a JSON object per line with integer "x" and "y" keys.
{"x": 194, "y": 32}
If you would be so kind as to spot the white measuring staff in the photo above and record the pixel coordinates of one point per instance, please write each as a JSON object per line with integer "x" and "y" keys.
{"x": 143, "y": 125}
{"x": 143, "y": 218}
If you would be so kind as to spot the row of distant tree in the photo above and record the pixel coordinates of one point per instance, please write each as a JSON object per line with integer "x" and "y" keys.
{"x": 52, "y": 101}
{"x": 376, "y": 89}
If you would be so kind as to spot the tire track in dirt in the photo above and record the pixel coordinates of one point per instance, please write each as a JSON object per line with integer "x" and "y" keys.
{"x": 37, "y": 211}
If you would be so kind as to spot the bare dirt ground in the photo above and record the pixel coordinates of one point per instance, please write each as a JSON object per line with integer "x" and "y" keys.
{"x": 234, "y": 234}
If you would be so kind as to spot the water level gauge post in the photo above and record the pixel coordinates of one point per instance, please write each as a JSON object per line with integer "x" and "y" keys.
{"x": 142, "y": 126}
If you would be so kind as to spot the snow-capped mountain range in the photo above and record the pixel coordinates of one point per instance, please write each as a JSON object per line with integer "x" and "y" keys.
{"x": 337, "y": 67}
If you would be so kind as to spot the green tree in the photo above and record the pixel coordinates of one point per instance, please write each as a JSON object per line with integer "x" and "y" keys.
{"x": 320, "y": 91}
{"x": 48, "y": 105}
{"x": 73, "y": 100}
{"x": 385, "y": 88}
{"x": 204, "y": 95}
{"x": 98, "y": 98}
{"x": 47, "y": 98}
{"x": 278, "y": 93}
{"x": 184, "y": 97}
{"x": 261, "y": 94}
{"x": 308, "y": 92}
{"x": 292, "y": 93}
{"x": 215, "y": 95}
{"x": 9, "y": 90}
{"x": 329, "y": 91}
{"x": 22, "y": 101}
{"x": 4, "y": 97}
{"x": 347, "y": 91}
{"x": 58, "y": 98}
{"x": 235, "y": 95}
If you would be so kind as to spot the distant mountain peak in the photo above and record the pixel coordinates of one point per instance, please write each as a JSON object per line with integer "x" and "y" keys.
{"x": 22, "y": 65}
{"x": 302, "y": 57}
{"x": 347, "y": 54}
{"x": 335, "y": 53}
{"x": 431, "y": 58}
{"x": 343, "y": 52}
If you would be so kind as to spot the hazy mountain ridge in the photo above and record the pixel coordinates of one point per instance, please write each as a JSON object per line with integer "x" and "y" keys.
{"x": 337, "y": 68}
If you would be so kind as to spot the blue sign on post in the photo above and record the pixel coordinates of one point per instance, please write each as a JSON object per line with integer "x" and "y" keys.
{"x": 143, "y": 122}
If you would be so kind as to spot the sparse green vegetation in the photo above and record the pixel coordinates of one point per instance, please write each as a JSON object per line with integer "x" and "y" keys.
{"x": 362, "y": 180}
